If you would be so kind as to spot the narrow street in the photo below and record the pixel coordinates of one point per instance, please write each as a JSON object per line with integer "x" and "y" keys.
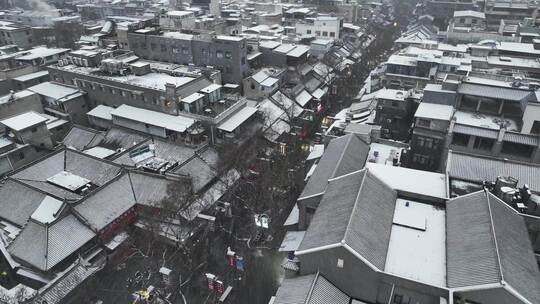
{"x": 271, "y": 191}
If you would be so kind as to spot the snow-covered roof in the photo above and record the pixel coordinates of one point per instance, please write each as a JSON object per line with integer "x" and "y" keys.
{"x": 270, "y": 81}
{"x": 303, "y": 98}
{"x": 316, "y": 152}
{"x": 154, "y": 80}
{"x": 229, "y": 38}
{"x": 55, "y": 91}
{"x": 485, "y": 121}
{"x": 291, "y": 241}
{"x": 284, "y": 48}
{"x": 166, "y": 121}
{"x": 298, "y": 51}
{"x": 31, "y": 76}
{"x": 407, "y": 180}
{"x": 434, "y": 111}
{"x": 269, "y": 44}
{"x": 99, "y": 152}
{"x": 47, "y": 211}
{"x": 235, "y": 120}
{"x": 469, "y": 13}
{"x": 293, "y": 217}
{"x": 177, "y": 35}
{"x": 68, "y": 180}
{"x": 101, "y": 111}
{"x": 41, "y": 52}
{"x": 211, "y": 88}
{"x": 23, "y": 121}
{"x": 417, "y": 247}
{"x": 192, "y": 98}
{"x": 179, "y": 13}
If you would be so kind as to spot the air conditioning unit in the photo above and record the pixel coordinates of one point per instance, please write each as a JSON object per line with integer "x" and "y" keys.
{"x": 389, "y": 120}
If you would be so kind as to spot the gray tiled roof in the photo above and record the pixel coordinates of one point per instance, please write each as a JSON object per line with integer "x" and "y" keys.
{"x": 478, "y": 169}
{"x": 494, "y": 92}
{"x": 80, "y": 138}
{"x": 18, "y": 202}
{"x": 64, "y": 284}
{"x": 150, "y": 190}
{"x": 343, "y": 155}
{"x": 295, "y": 290}
{"x": 116, "y": 137}
{"x": 100, "y": 209}
{"x": 325, "y": 292}
{"x": 487, "y": 242}
{"x": 310, "y": 289}
{"x": 97, "y": 171}
{"x": 357, "y": 208}
{"x": 518, "y": 263}
{"x": 164, "y": 150}
{"x": 199, "y": 171}
{"x": 45, "y": 246}
{"x": 471, "y": 255}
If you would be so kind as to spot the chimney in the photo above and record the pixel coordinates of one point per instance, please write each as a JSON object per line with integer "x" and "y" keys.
{"x": 536, "y": 44}
{"x": 170, "y": 92}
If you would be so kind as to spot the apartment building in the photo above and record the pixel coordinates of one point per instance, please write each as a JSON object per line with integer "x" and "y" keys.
{"x": 321, "y": 27}
{"x": 395, "y": 109}
{"x": 368, "y": 239}
{"x": 482, "y": 117}
{"x": 226, "y": 53}
{"x": 16, "y": 34}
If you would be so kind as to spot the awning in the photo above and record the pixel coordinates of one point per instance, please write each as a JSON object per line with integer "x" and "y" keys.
{"x": 317, "y": 152}
{"x": 293, "y": 217}
{"x": 237, "y": 119}
{"x": 291, "y": 241}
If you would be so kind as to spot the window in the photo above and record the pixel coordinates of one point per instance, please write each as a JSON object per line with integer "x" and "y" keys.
{"x": 421, "y": 159}
{"x": 219, "y": 54}
{"x": 49, "y": 58}
{"x": 147, "y": 126}
{"x": 395, "y": 104}
{"x": 185, "y": 51}
{"x": 422, "y": 122}
{"x": 485, "y": 144}
{"x": 318, "y": 33}
{"x": 516, "y": 149}
{"x": 308, "y": 32}
{"x": 535, "y": 127}
{"x": 228, "y": 55}
{"x": 340, "y": 263}
{"x": 243, "y": 60}
{"x": 34, "y": 130}
{"x": 325, "y": 34}
{"x": 459, "y": 139}
{"x": 163, "y": 47}
{"x": 461, "y": 20}
{"x": 21, "y": 155}
{"x": 474, "y": 21}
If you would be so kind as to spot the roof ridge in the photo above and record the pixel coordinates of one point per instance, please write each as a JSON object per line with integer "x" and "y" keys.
{"x": 492, "y": 227}
{"x": 310, "y": 293}
{"x": 343, "y": 241}
{"x": 342, "y": 154}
